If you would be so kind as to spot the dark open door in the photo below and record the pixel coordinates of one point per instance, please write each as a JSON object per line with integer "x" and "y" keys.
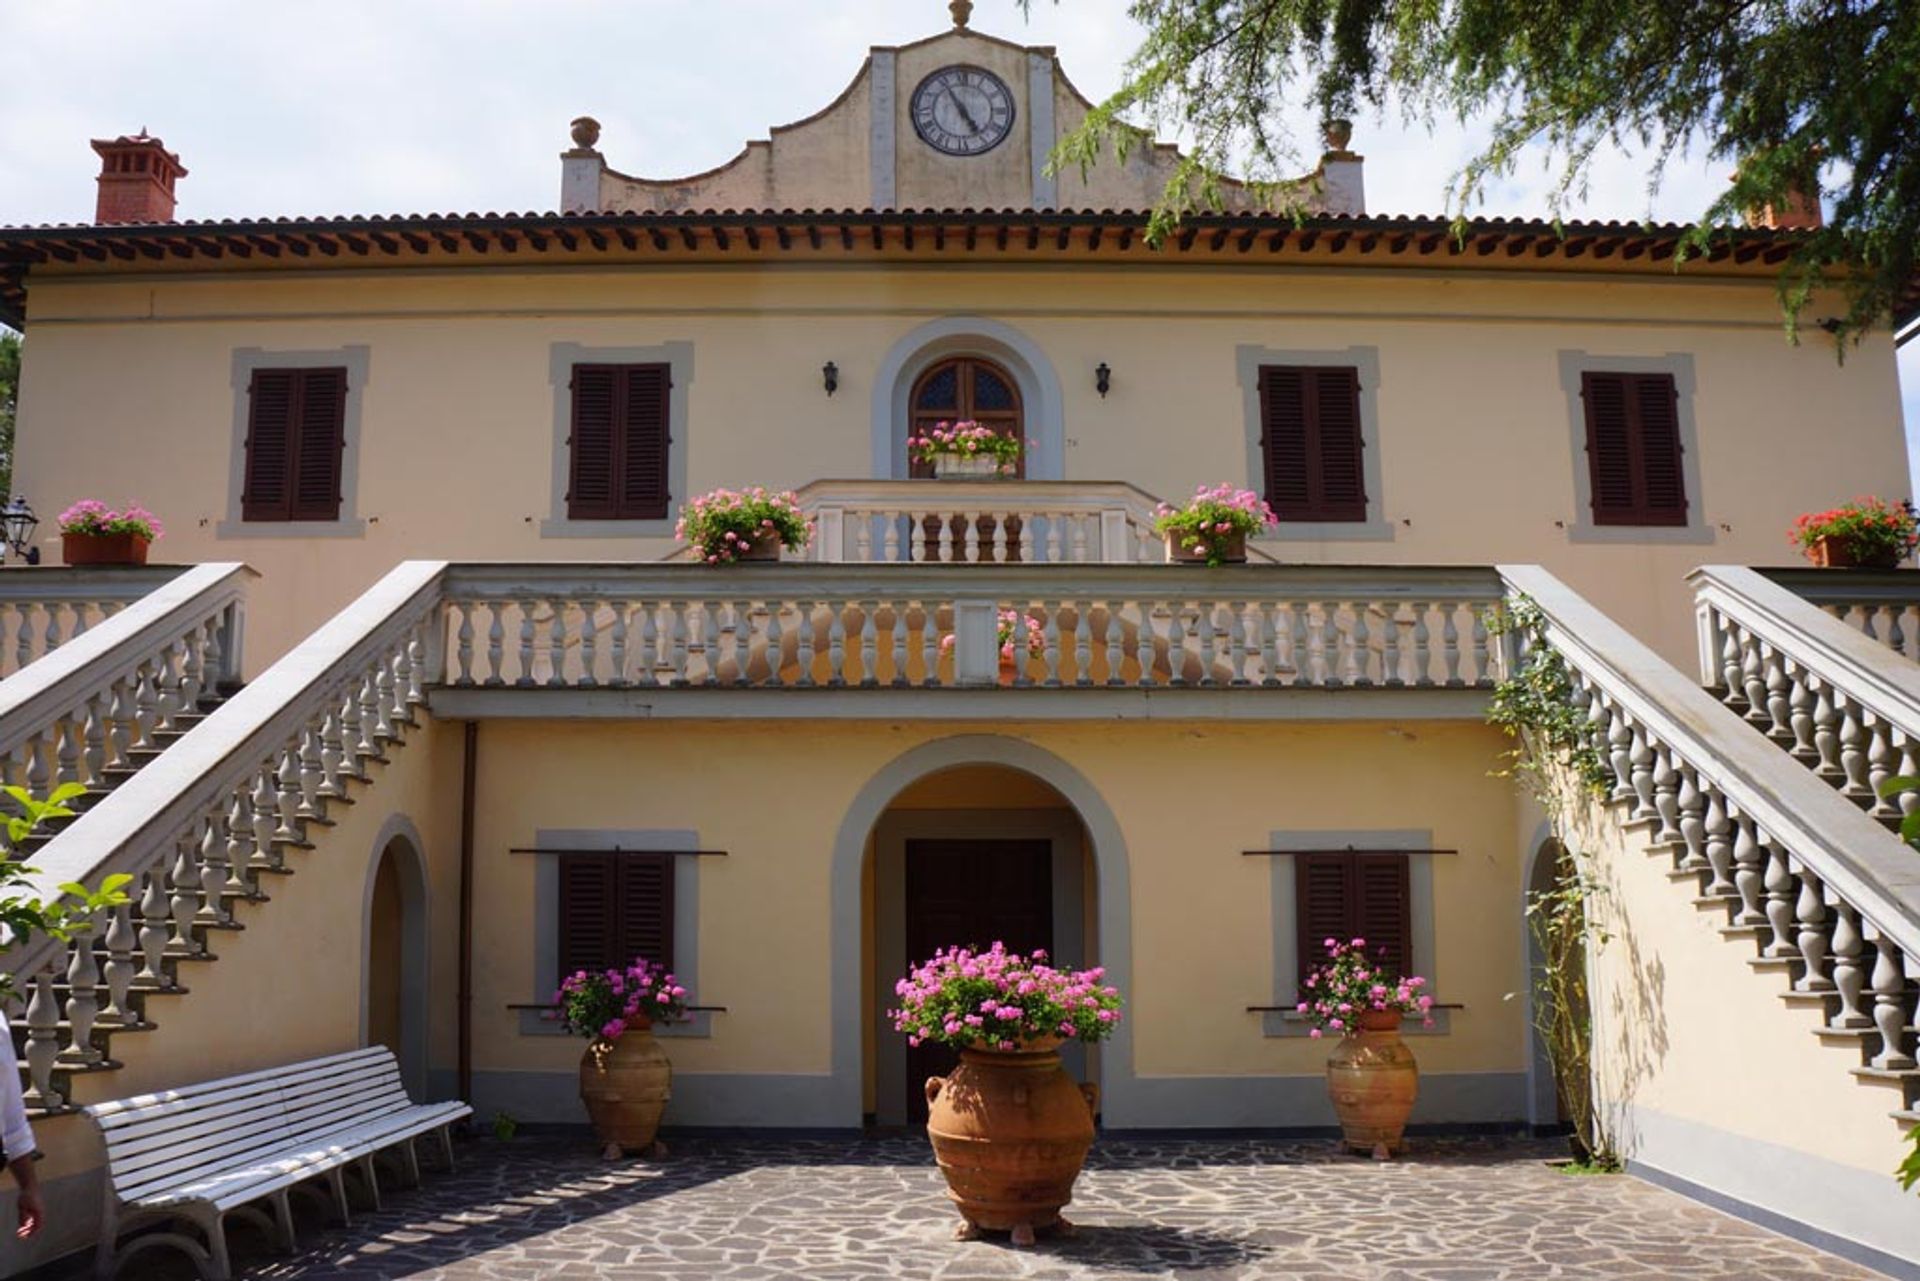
{"x": 972, "y": 894}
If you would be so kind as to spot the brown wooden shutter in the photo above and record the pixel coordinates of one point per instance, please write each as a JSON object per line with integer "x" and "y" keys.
{"x": 645, "y": 908}
{"x": 1344, "y": 895}
{"x": 590, "y": 492}
{"x": 268, "y": 492}
{"x": 1633, "y": 448}
{"x": 1312, "y": 442}
{"x": 296, "y": 433}
{"x": 320, "y": 440}
{"x": 587, "y": 923}
{"x": 643, "y": 442}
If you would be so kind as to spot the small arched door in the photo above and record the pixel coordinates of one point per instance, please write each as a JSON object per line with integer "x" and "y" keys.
{"x": 966, "y": 387}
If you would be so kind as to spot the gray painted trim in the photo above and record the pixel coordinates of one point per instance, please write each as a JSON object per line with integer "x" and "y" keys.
{"x": 398, "y": 836}
{"x": 561, "y": 358}
{"x": 890, "y": 959}
{"x": 1581, "y": 528}
{"x": 1862, "y": 1215}
{"x": 1543, "y": 1093}
{"x": 1113, "y": 894}
{"x": 546, "y": 917}
{"x": 1376, "y": 528}
{"x": 1040, "y": 128}
{"x": 949, "y": 336}
{"x": 1290, "y": 1102}
{"x": 882, "y": 124}
{"x": 1282, "y": 895}
{"x": 358, "y": 359}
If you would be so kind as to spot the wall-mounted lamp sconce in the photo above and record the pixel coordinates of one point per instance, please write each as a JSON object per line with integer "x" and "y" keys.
{"x": 1102, "y": 379}
{"x": 830, "y": 377}
{"x": 17, "y": 523}
{"x": 1832, "y": 324}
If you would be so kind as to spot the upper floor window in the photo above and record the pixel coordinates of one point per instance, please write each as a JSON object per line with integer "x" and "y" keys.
{"x": 1633, "y": 448}
{"x": 618, "y": 441}
{"x": 296, "y": 434}
{"x": 966, "y": 388}
{"x": 613, "y": 907}
{"x": 1311, "y": 442}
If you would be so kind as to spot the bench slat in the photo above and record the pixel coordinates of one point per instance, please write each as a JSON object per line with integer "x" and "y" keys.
{"x": 189, "y": 1127}
{"x": 171, "y": 1164}
{"x": 119, "y": 1112}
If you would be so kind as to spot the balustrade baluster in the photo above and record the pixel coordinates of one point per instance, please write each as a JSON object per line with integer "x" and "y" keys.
{"x": 1732, "y": 662}
{"x": 1334, "y": 654}
{"x": 1240, "y": 639}
{"x": 187, "y": 888}
{"x": 650, "y": 659}
{"x": 836, "y": 643}
{"x": 462, "y": 614}
{"x": 1810, "y": 935}
{"x": 1800, "y": 716}
{"x": 1640, "y": 771}
{"x": 120, "y": 722}
{"x": 970, "y": 532}
{"x": 1316, "y": 669}
{"x": 83, "y": 997}
{"x": 1890, "y": 1007}
{"x": 1273, "y": 633}
{"x": 897, "y": 655}
{"x": 1693, "y": 827}
{"x": 1390, "y": 646}
{"x": 118, "y": 971}
{"x": 1450, "y": 644}
{"x": 312, "y": 806}
{"x": 617, "y": 660}
{"x": 66, "y": 741}
{"x": 1778, "y": 697}
{"x": 862, "y": 536}
{"x": 193, "y": 673}
{"x": 803, "y": 642}
{"x": 1083, "y": 641}
{"x": 1849, "y": 969}
{"x": 929, "y": 643}
{"x": 333, "y": 751}
{"x": 496, "y": 642}
{"x": 1078, "y": 534}
{"x": 1896, "y": 632}
{"x": 1207, "y": 632}
{"x": 1359, "y": 660}
{"x": 1050, "y": 643}
{"x": 1826, "y": 732}
{"x": 589, "y": 644}
{"x": 677, "y": 640}
{"x": 380, "y": 682}
{"x": 375, "y": 733}
{"x": 1176, "y": 642}
{"x": 154, "y": 931}
{"x": 53, "y": 638}
{"x": 1619, "y": 750}
{"x": 917, "y": 541}
{"x": 43, "y": 1042}
{"x": 40, "y": 773}
{"x": 1719, "y": 848}
{"x": 1666, "y": 799}
{"x": 1056, "y": 538}
{"x": 1422, "y": 644}
{"x": 527, "y": 624}
{"x": 1882, "y": 760}
{"x": 240, "y": 847}
{"x": 265, "y": 806}
{"x": 1000, "y": 548}
{"x": 1482, "y": 642}
{"x": 23, "y": 636}
{"x": 93, "y": 751}
{"x": 1749, "y": 875}
{"x": 1781, "y": 908}
{"x": 557, "y": 610}
{"x": 1853, "y": 752}
{"x": 1144, "y": 639}
{"x": 146, "y": 699}
{"x": 1753, "y": 678}
{"x": 869, "y": 643}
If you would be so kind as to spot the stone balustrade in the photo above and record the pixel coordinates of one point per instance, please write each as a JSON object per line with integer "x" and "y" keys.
{"x": 197, "y": 827}
{"x": 1841, "y": 699}
{"x": 107, "y": 697}
{"x": 1825, "y": 893}
{"x": 1883, "y": 604}
{"x": 973, "y": 522}
{"x": 42, "y": 608}
{"x": 850, "y": 627}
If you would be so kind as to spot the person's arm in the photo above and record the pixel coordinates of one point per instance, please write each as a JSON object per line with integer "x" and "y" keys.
{"x": 16, "y": 1137}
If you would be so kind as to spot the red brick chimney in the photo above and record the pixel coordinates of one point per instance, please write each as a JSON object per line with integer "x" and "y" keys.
{"x": 136, "y": 179}
{"x": 1797, "y": 211}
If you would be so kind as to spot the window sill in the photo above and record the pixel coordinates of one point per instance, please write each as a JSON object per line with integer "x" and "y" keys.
{"x": 1330, "y": 531}
{"x": 1284, "y": 1024}
{"x": 563, "y": 527}
{"x": 543, "y": 1020}
{"x": 350, "y": 527}
{"x": 1683, "y": 535}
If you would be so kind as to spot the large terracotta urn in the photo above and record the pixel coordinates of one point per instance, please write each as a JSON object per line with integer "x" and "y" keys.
{"x": 1373, "y": 1080}
{"x": 1010, "y": 1130}
{"x": 625, "y": 1084}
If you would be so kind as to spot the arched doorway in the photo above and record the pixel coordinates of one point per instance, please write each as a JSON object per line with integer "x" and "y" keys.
{"x": 393, "y": 1000}
{"x": 1556, "y": 972}
{"x": 967, "y": 387}
{"x": 967, "y": 856}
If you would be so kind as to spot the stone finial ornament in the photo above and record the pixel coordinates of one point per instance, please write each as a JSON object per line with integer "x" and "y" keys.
{"x": 961, "y": 11}
{"x": 586, "y": 132}
{"x": 1338, "y": 133}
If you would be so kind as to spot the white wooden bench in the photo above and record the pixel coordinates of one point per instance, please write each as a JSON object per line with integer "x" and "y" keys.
{"x": 202, "y": 1152}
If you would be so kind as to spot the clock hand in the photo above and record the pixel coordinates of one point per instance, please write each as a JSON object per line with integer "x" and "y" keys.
{"x": 960, "y": 106}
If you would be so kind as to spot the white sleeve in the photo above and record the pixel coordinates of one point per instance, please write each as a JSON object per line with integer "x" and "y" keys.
{"x": 16, "y": 1136}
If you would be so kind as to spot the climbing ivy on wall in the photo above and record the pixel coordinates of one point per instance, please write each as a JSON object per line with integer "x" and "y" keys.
{"x": 1534, "y": 705}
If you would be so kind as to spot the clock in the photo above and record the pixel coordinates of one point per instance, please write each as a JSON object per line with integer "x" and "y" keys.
{"x": 962, "y": 111}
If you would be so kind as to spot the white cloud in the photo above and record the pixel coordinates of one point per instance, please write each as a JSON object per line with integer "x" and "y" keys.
{"x": 377, "y": 106}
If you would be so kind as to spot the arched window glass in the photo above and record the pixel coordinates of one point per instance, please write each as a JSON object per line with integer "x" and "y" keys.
{"x": 966, "y": 387}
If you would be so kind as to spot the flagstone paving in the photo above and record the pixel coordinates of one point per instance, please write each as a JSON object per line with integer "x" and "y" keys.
{"x": 1457, "y": 1209}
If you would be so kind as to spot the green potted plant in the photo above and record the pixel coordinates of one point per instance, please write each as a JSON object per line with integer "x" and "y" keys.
{"x": 730, "y": 525}
{"x": 625, "y": 1078}
{"x": 965, "y": 451}
{"x": 92, "y": 533}
{"x": 1865, "y": 533}
{"x": 1010, "y": 1129}
{"x": 1371, "y": 1074}
{"x": 1213, "y": 526}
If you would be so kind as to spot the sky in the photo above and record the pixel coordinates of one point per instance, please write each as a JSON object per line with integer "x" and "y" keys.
{"x": 313, "y": 107}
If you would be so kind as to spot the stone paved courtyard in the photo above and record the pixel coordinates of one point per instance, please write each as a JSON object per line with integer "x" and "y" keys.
{"x": 1452, "y": 1210}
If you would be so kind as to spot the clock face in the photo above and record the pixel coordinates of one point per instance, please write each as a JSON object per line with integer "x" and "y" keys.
{"x": 962, "y": 111}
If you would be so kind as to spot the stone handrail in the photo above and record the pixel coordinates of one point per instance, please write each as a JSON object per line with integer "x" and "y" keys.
{"x": 993, "y": 521}
{"x": 97, "y": 700}
{"x": 1881, "y": 603}
{"x": 1821, "y": 884}
{"x": 220, "y": 805}
{"x": 42, "y": 608}
{"x": 1834, "y": 695}
{"x": 923, "y": 626}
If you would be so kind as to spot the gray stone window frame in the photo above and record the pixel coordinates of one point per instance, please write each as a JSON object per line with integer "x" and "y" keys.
{"x": 561, "y": 358}
{"x": 546, "y": 917}
{"x": 1581, "y": 529}
{"x": 357, "y": 359}
{"x": 1286, "y": 951}
{"x": 1376, "y": 528}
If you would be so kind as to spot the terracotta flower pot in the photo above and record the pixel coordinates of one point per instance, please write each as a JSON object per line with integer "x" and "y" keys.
{"x": 1372, "y": 1079}
{"x": 625, "y": 1084}
{"x": 1010, "y": 1131}
{"x": 1233, "y": 549}
{"x": 1830, "y": 552}
{"x": 766, "y": 545}
{"x": 103, "y": 549}
{"x": 966, "y": 467}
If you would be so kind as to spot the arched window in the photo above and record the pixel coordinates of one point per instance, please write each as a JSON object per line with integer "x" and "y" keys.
{"x": 962, "y": 388}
